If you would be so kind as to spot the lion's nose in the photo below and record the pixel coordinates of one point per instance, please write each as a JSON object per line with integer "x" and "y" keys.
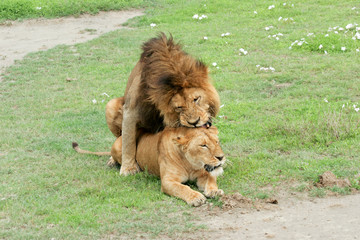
{"x": 194, "y": 123}
{"x": 219, "y": 158}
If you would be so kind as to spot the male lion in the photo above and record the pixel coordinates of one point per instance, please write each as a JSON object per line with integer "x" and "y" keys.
{"x": 167, "y": 87}
{"x": 178, "y": 155}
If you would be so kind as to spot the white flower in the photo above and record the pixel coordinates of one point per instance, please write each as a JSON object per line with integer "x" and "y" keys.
{"x": 357, "y": 109}
{"x": 205, "y": 38}
{"x": 325, "y": 52}
{"x": 279, "y": 18}
{"x": 271, "y": 7}
{"x": 38, "y": 8}
{"x": 152, "y": 25}
{"x": 336, "y": 32}
{"x": 243, "y": 51}
{"x": 310, "y": 34}
{"x": 284, "y": 4}
{"x": 255, "y": 12}
{"x": 94, "y": 101}
{"x": 354, "y": 105}
{"x": 350, "y": 25}
{"x": 300, "y": 43}
{"x": 272, "y": 69}
{"x": 321, "y": 46}
{"x": 257, "y": 65}
{"x": 358, "y": 50}
{"x": 196, "y": 16}
{"x": 326, "y": 35}
{"x": 325, "y": 100}
{"x": 343, "y": 48}
{"x": 214, "y": 64}
{"x": 222, "y": 106}
{"x": 277, "y": 38}
{"x": 105, "y": 94}
{"x": 341, "y": 29}
{"x": 225, "y": 34}
{"x": 343, "y": 105}
{"x": 353, "y": 8}
{"x": 357, "y": 36}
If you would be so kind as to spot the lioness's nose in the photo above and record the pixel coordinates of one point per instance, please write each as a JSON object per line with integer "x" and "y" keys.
{"x": 220, "y": 157}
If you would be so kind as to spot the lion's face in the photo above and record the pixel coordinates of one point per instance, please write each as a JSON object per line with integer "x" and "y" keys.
{"x": 202, "y": 150}
{"x": 189, "y": 108}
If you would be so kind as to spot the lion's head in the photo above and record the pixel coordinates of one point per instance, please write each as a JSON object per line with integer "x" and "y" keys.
{"x": 202, "y": 150}
{"x": 177, "y": 85}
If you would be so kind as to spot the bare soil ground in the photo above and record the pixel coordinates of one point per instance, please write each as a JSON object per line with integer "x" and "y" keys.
{"x": 20, "y": 38}
{"x": 289, "y": 217}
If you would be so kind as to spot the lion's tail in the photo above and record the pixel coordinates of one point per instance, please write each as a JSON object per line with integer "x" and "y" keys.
{"x": 76, "y": 147}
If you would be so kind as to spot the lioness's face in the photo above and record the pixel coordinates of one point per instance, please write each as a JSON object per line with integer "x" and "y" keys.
{"x": 203, "y": 151}
{"x": 191, "y": 107}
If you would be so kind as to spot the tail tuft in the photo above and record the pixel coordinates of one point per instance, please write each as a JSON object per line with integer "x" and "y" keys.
{"x": 75, "y": 145}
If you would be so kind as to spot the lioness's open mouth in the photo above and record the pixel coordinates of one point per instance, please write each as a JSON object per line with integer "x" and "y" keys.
{"x": 210, "y": 168}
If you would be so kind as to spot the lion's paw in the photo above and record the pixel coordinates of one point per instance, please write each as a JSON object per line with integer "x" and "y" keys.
{"x": 197, "y": 201}
{"x": 213, "y": 193}
{"x": 126, "y": 171}
{"x": 111, "y": 162}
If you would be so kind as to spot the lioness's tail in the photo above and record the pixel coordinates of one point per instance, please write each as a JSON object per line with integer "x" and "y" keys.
{"x": 76, "y": 147}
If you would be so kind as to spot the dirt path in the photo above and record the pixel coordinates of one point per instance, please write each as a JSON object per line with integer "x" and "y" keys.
{"x": 330, "y": 218}
{"x": 20, "y": 38}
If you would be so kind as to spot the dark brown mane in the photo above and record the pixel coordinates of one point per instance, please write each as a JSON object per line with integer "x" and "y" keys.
{"x": 167, "y": 69}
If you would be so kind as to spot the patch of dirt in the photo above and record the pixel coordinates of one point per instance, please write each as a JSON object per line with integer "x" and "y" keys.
{"x": 328, "y": 179}
{"x": 20, "y": 38}
{"x": 292, "y": 217}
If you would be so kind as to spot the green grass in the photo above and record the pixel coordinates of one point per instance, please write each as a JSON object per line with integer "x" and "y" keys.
{"x": 23, "y": 9}
{"x": 275, "y": 127}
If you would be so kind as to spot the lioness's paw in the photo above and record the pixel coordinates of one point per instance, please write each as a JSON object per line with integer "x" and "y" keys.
{"x": 126, "y": 171}
{"x": 197, "y": 201}
{"x": 213, "y": 193}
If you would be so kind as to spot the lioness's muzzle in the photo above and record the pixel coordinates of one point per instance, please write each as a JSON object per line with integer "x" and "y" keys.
{"x": 210, "y": 168}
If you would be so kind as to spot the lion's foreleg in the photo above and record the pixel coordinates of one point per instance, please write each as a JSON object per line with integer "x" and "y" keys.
{"x": 207, "y": 183}
{"x": 129, "y": 165}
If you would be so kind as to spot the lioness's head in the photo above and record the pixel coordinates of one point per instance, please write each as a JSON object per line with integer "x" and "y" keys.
{"x": 202, "y": 150}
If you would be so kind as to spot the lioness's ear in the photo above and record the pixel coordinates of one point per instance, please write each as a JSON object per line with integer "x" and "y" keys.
{"x": 180, "y": 140}
{"x": 213, "y": 130}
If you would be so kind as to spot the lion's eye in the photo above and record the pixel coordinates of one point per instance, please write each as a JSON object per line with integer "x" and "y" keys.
{"x": 204, "y": 146}
{"x": 178, "y": 109}
{"x": 196, "y": 99}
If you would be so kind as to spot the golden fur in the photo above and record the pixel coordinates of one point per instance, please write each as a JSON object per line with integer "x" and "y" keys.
{"x": 178, "y": 155}
{"x": 167, "y": 87}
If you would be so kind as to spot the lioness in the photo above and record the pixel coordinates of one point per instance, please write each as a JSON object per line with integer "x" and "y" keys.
{"x": 178, "y": 155}
{"x": 167, "y": 87}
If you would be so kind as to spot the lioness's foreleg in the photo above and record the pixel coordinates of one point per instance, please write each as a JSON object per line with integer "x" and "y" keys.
{"x": 207, "y": 183}
{"x": 174, "y": 187}
{"x": 129, "y": 165}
